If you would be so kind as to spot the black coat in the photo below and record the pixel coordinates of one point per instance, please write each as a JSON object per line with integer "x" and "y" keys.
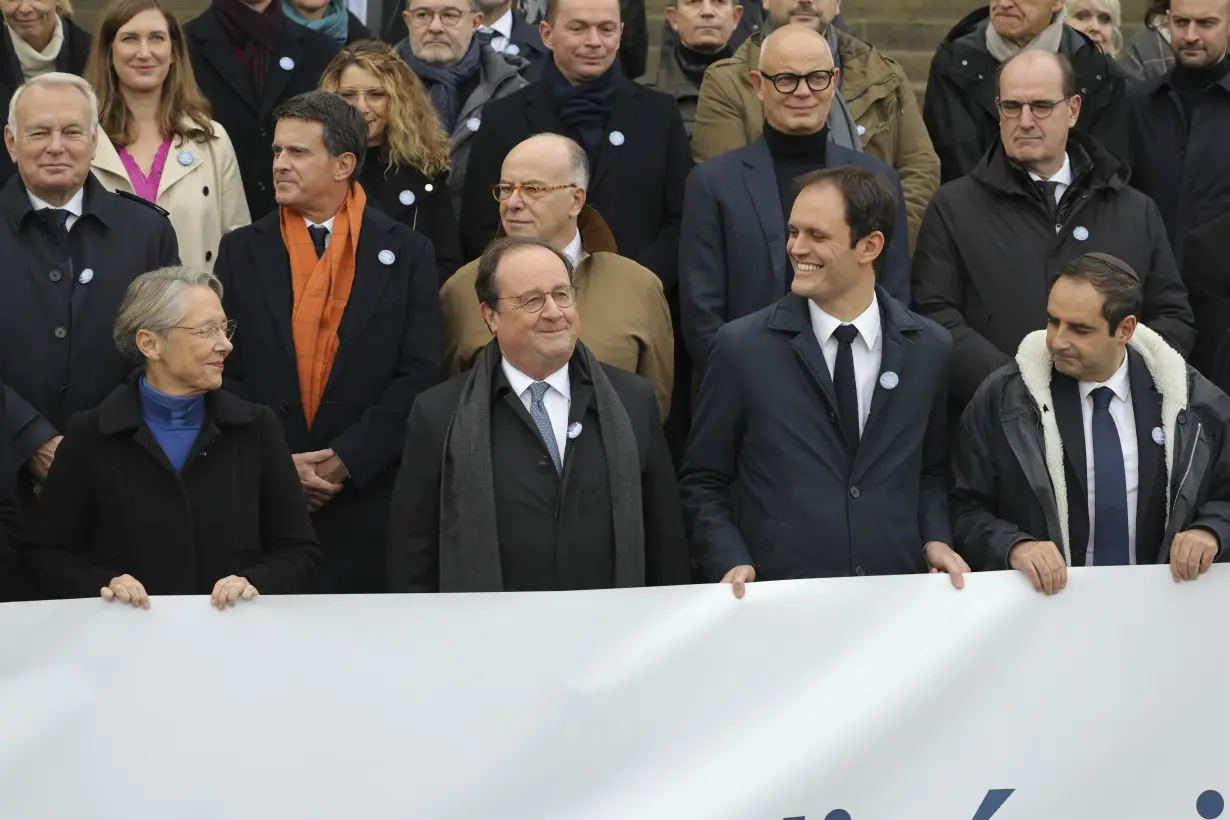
{"x": 732, "y": 251}
{"x": 636, "y": 186}
{"x": 355, "y": 30}
{"x": 767, "y": 480}
{"x": 1207, "y": 277}
{"x": 13, "y": 586}
{"x": 554, "y": 534}
{"x": 988, "y": 251}
{"x": 390, "y": 352}
{"x": 113, "y": 505}
{"x": 1186, "y": 171}
{"x": 430, "y": 211}
{"x": 959, "y": 108}
{"x": 57, "y": 355}
{"x": 530, "y": 47}
{"x": 72, "y": 58}
{"x": 248, "y": 121}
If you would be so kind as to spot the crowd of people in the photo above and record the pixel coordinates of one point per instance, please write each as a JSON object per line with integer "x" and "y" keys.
{"x": 473, "y": 304}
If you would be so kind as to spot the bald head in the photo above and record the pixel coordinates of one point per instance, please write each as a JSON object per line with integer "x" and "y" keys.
{"x": 1046, "y": 67}
{"x": 798, "y": 44}
{"x": 799, "y": 95}
{"x": 549, "y": 174}
{"x": 1038, "y": 106}
{"x": 553, "y": 153}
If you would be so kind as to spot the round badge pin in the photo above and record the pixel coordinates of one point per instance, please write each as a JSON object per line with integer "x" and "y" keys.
{"x": 473, "y": 123}
{"x": 1159, "y": 435}
{"x": 512, "y": 49}
{"x": 387, "y": 257}
{"x": 1080, "y": 233}
{"x": 889, "y": 380}
{"x": 862, "y": 129}
{"x": 429, "y": 187}
{"x": 574, "y": 429}
{"x": 86, "y": 276}
{"x": 286, "y": 63}
{"x": 616, "y": 138}
{"x": 406, "y": 198}
{"x": 184, "y": 158}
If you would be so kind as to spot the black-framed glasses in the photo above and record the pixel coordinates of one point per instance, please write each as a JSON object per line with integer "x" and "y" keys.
{"x": 227, "y": 329}
{"x": 530, "y": 192}
{"x": 1040, "y": 109}
{"x": 534, "y": 301}
{"x": 786, "y": 83}
{"x": 449, "y": 17}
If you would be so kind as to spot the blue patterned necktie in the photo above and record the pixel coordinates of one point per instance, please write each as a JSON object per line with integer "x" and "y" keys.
{"x": 1110, "y": 517}
{"x": 538, "y": 412}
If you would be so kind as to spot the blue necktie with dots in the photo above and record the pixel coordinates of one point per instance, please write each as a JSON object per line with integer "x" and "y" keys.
{"x": 538, "y": 412}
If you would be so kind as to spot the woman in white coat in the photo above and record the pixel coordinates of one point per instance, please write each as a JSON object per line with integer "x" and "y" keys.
{"x": 159, "y": 142}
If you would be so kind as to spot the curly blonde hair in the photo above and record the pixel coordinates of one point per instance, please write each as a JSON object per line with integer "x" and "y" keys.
{"x": 414, "y": 136}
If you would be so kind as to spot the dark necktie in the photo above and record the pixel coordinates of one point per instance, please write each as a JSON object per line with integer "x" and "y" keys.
{"x": 542, "y": 419}
{"x": 319, "y": 234}
{"x": 1110, "y": 517}
{"x": 485, "y": 36}
{"x": 843, "y": 382}
{"x": 56, "y": 220}
{"x": 1048, "y": 193}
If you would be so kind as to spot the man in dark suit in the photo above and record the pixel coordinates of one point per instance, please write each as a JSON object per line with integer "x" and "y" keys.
{"x": 634, "y": 137}
{"x": 71, "y": 249}
{"x": 247, "y": 58}
{"x": 732, "y": 254}
{"x": 540, "y": 468}
{"x": 1208, "y": 284}
{"x": 338, "y": 330}
{"x": 1098, "y": 446}
{"x": 507, "y": 32}
{"x": 13, "y": 586}
{"x": 820, "y": 445}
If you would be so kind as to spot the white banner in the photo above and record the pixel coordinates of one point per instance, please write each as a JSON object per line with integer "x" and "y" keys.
{"x": 852, "y": 699}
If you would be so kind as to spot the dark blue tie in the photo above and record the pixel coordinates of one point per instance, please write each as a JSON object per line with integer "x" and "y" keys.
{"x": 845, "y": 387}
{"x": 319, "y": 234}
{"x": 1110, "y": 516}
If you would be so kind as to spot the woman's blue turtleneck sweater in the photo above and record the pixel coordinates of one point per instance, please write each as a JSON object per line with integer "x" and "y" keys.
{"x": 174, "y": 421}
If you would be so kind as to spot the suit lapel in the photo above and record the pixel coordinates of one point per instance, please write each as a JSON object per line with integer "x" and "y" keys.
{"x": 622, "y": 119}
{"x": 174, "y": 170}
{"x": 1147, "y": 410}
{"x": 892, "y": 355}
{"x": 761, "y": 183}
{"x": 1068, "y": 416}
{"x": 217, "y": 51}
{"x": 272, "y": 270}
{"x": 371, "y": 278}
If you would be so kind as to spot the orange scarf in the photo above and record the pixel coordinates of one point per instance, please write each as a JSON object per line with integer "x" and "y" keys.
{"x": 321, "y": 289}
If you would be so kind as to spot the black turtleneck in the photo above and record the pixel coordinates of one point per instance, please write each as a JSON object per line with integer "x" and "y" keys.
{"x": 693, "y": 63}
{"x": 1191, "y": 84}
{"x": 794, "y": 155}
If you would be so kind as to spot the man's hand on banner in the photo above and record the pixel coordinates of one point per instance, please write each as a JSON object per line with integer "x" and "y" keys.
{"x": 1191, "y": 554}
{"x": 943, "y": 558}
{"x": 127, "y": 590}
{"x": 1042, "y": 562}
{"x": 740, "y": 576}
{"x": 230, "y": 589}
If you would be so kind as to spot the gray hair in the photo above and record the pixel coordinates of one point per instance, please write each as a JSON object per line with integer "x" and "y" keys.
{"x": 154, "y": 302}
{"x": 1112, "y": 8}
{"x": 56, "y": 78}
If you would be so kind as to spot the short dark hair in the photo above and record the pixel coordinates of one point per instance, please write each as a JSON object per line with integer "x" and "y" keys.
{"x": 345, "y": 128}
{"x": 1114, "y": 279}
{"x": 1066, "y": 71}
{"x": 871, "y": 202}
{"x": 486, "y": 286}
{"x": 553, "y": 7}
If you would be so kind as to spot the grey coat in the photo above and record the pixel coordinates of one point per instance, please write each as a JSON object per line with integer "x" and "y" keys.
{"x": 499, "y": 76}
{"x": 671, "y": 80}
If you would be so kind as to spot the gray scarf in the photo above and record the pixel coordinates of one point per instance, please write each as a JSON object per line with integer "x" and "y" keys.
{"x": 469, "y": 540}
{"x": 843, "y": 130}
{"x": 1049, "y": 40}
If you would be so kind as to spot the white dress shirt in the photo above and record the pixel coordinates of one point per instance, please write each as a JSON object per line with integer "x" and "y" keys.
{"x": 1125, "y": 423}
{"x": 501, "y": 31}
{"x": 557, "y": 400}
{"x": 327, "y": 225}
{"x": 1063, "y": 178}
{"x": 74, "y": 206}
{"x": 574, "y": 251}
{"x": 865, "y": 350}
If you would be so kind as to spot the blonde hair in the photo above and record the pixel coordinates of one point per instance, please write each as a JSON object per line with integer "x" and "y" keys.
{"x": 183, "y": 111}
{"x": 1110, "y": 7}
{"x": 413, "y": 136}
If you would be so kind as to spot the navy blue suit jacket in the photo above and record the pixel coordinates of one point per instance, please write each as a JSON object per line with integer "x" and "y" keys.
{"x": 732, "y": 252}
{"x": 766, "y": 479}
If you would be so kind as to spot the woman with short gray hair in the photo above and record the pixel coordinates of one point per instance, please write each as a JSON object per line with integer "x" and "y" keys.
{"x": 172, "y": 486}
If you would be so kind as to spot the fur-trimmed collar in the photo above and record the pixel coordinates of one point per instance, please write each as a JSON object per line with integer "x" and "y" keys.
{"x": 1036, "y": 366}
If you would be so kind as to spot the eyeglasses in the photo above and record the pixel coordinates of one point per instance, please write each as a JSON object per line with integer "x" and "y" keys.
{"x": 1040, "y": 109}
{"x": 227, "y": 329}
{"x": 535, "y": 300}
{"x": 529, "y": 192}
{"x": 786, "y": 83}
{"x": 423, "y": 17}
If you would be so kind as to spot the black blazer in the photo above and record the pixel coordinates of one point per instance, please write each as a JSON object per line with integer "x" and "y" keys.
{"x": 13, "y": 586}
{"x": 390, "y": 352}
{"x": 547, "y": 542}
{"x": 419, "y": 203}
{"x": 249, "y": 121}
{"x": 71, "y": 60}
{"x": 766, "y": 479}
{"x": 636, "y": 186}
{"x": 57, "y": 356}
{"x": 530, "y": 47}
{"x": 1208, "y": 286}
{"x": 114, "y": 505}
